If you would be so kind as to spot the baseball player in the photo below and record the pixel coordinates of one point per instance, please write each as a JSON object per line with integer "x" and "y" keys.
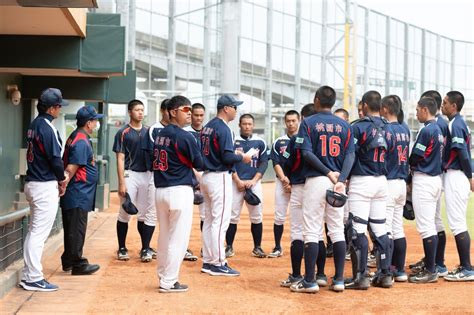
{"x": 293, "y": 169}
{"x": 368, "y": 194}
{"x": 135, "y": 178}
{"x": 458, "y": 183}
{"x": 79, "y": 198}
{"x": 397, "y": 166}
{"x": 176, "y": 153}
{"x": 342, "y": 113}
{"x": 197, "y": 122}
{"x": 440, "y": 266}
{"x": 425, "y": 163}
{"x": 217, "y": 147}
{"x": 282, "y": 183}
{"x": 45, "y": 182}
{"x": 248, "y": 176}
{"x": 327, "y": 146}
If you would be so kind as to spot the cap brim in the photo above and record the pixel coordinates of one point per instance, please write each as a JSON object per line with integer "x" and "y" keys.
{"x": 64, "y": 103}
{"x": 99, "y": 116}
{"x": 238, "y": 103}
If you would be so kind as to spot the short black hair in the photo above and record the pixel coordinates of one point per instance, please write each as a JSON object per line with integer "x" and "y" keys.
{"x": 292, "y": 112}
{"x": 457, "y": 98}
{"x": 400, "y": 116}
{"x": 198, "y": 105}
{"x": 177, "y": 101}
{"x": 308, "y": 110}
{"x": 133, "y": 103}
{"x": 164, "y": 103}
{"x": 373, "y": 100}
{"x": 343, "y": 111}
{"x": 391, "y": 103}
{"x": 429, "y": 103}
{"x": 326, "y": 96}
{"x": 41, "y": 107}
{"x": 246, "y": 116}
{"x": 434, "y": 95}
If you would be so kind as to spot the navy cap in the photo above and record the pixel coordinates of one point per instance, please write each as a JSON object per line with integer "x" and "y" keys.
{"x": 52, "y": 96}
{"x": 228, "y": 100}
{"x": 86, "y": 113}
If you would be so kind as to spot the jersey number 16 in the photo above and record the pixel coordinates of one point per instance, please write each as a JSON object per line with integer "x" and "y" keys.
{"x": 334, "y": 145}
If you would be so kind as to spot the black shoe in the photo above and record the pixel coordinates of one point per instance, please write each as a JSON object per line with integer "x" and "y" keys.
{"x": 382, "y": 280}
{"x": 176, "y": 288}
{"x": 258, "y": 252}
{"x": 424, "y": 276}
{"x": 362, "y": 282}
{"x": 67, "y": 268}
{"x": 87, "y": 269}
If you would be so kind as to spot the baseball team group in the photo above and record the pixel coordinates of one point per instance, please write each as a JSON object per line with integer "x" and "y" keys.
{"x": 338, "y": 181}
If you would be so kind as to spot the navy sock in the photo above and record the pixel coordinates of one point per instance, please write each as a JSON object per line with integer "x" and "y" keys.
{"x": 399, "y": 253}
{"x": 463, "y": 244}
{"x": 277, "y": 233}
{"x": 230, "y": 234}
{"x": 257, "y": 230}
{"x": 440, "y": 249}
{"x": 140, "y": 228}
{"x": 339, "y": 259}
{"x": 310, "y": 256}
{"x": 296, "y": 253}
{"x": 122, "y": 229}
{"x": 321, "y": 260}
{"x": 430, "y": 245}
{"x": 200, "y": 226}
{"x": 147, "y": 234}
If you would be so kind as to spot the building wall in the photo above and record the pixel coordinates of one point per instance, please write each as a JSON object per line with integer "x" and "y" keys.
{"x": 11, "y": 139}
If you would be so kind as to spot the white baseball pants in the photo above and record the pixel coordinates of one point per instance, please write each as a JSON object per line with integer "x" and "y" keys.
{"x": 396, "y": 198}
{"x": 456, "y": 191}
{"x": 282, "y": 199}
{"x": 255, "y": 212}
{"x": 425, "y": 194}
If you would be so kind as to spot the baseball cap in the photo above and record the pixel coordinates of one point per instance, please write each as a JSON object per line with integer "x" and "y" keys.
{"x": 52, "y": 96}
{"x": 227, "y": 100}
{"x": 86, "y": 113}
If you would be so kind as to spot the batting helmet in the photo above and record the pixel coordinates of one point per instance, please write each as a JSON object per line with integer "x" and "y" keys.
{"x": 128, "y": 205}
{"x": 335, "y": 199}
{"x": 251, "y": 198}
{"x": 408, "y": 212}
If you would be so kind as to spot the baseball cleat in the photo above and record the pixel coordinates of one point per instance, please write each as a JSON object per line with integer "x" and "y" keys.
{"x": 229, "y": 252}
{"x": 305, "y": 287}
{"x": 361, "y": 282}
{"x": 176, "y": 288}
{"x": 290, "y": 280}
{"x": 189, "y": 256}
{"x": 442, "y": 271}
{"x": 424, "y": 276}
{"x": 321, "y": 280}
{"x": 276, "y": 252}
{"x": 206, "y": 268}
{"x": 225, "y": 271}
{"x": 145, "y": 255}
{"x": 258, "y": 252}
{"x": 337, "y": 285}
{"x": 382, "y": 281}
{"x": 42, "y": 285}
{"x": 348, "y": 255}
{"x": 153, "y": 252}
{"x": 400, "y": 276}
{"x": 460, "y": 274}
{"x": 122, "y": 254}
{"x": 418, "y": 266}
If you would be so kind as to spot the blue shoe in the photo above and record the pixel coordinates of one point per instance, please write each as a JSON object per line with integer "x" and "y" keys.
{"x": 460, "y": 274}
{"x": 321, "y": 280}
{"x": 225, "y": 271}
{"x": 305, "y": 287}
{"x": 400, "y": 276}
{"x": 442, "y": 271}
{"x": 206, "y": 268}
{"x": 337, "y": 285}
{"x": 42, "y": 285}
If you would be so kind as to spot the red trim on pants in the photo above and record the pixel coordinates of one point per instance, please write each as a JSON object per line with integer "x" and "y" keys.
{"x": 222, "y": 219}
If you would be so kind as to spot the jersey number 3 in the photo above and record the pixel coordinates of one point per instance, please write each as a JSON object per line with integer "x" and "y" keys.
{"x": 161, "y": 160}
{"x": 334, "y": 145}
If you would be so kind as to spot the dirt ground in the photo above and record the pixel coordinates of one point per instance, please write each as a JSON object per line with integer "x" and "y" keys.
{"x": 132, "y": 287}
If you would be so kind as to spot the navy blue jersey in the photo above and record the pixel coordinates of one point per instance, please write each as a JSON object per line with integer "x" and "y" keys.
{"x": 175, "y": 154}
{"x": 80, "y": 192}
{"x": 459, "y": 138}
{"x": 43, "y": 144}
{"x": 328, "y": 137}
{"x": 370, "y": 162}
{"x": 294, "y": 163}
{"x": 428, "y": 145}
{"x": 278, "y": 150}
{"x": 397, "y": 159}
{"x": 259, "y": 161}
{"x": 153, "y": 132}
{"x": 134, "y": 144}
{"x": 195, "y": 133}
{"x": 216, "y": 138}
{"x": 442, "y": 124}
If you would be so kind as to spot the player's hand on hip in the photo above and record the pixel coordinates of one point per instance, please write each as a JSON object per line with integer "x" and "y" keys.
{"x": 333, "y": 176}
{"x": 340, "y": 188}
{"x": 122, "y": 190}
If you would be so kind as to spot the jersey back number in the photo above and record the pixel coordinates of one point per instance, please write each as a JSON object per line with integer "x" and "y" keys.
{"x": 161, "y": 160}
{"x": 334, "y": 146}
